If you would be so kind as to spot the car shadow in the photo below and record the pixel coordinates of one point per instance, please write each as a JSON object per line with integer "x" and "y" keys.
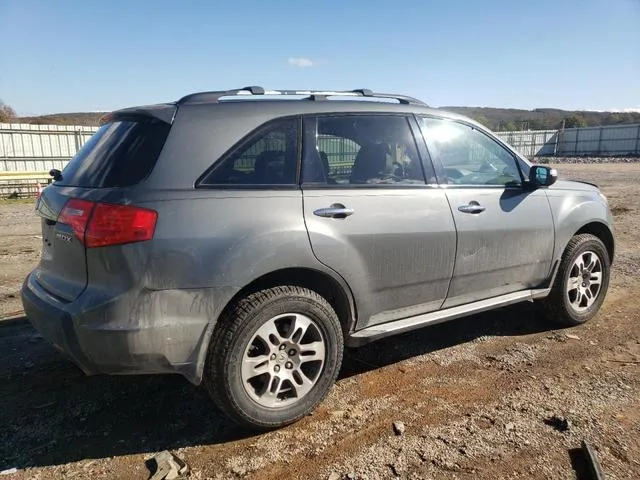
{"x": 515, "y": 320}
{"x": 51, "y": 414}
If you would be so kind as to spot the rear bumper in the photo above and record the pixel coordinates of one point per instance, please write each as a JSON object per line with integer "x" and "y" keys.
{"x": 50, "y": 318}
{"x": 142, "y": 333}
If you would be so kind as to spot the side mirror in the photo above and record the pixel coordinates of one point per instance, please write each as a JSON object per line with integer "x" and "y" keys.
{"x": 541, "y": 176}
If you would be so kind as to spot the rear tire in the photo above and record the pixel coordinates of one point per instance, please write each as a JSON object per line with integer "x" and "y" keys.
{"x": 274, "y": 357}
{"x": 581, "y": 283}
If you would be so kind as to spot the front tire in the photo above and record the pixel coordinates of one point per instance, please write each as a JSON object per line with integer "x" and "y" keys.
{"x": 274, "y": 357}
{"x": 581, "y": 282}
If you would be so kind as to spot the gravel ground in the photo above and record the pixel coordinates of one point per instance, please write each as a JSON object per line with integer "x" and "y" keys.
{"x": 20, "y": 243}
{"x": 587, "y": 159}
{"x": 498, "y": 395}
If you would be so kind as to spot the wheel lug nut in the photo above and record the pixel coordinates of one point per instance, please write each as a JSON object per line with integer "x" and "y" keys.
{"x": 273, "y": 356}
{"x": 276, "y": 368}
{"x": 292, "y": 352}
{"x": 288, "y": 365}
{"x": 282, "y": 347}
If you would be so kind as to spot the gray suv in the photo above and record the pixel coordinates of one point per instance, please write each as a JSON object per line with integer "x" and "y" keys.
{"x": 241, "y": 238}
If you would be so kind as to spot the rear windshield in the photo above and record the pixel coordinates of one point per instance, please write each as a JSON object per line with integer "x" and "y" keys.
{"x": 121, "y": 153}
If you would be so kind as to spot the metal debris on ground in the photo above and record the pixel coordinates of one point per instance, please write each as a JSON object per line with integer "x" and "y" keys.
{"x": 594, "y": 466}
{"x": 570, "y": 336}
{"x": 168, "y": 466}
{"x": 9, "y": 471}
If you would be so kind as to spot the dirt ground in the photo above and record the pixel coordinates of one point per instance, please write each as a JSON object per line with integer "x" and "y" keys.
{"x": 495, "y": 396}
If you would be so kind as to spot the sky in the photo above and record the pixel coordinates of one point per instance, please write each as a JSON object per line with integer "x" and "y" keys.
{"x": 69, "y": 56}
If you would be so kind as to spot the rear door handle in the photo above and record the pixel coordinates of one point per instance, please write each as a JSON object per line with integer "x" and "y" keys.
{"x": 336, "y": 210}
{"x": 472, "y": 207}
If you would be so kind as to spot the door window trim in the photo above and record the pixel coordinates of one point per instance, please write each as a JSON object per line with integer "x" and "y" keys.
{"x": 310, "y": 128}
{"x": 439, "y": 167}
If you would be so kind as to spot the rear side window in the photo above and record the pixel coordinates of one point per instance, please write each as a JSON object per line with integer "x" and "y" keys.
{"x": 267, "y": 157}
{"x": 121, "y": 153}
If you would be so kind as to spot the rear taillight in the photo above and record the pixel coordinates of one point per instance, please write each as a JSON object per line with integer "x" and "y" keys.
{"x": 103, "y": 224}
{"x": 76, "y": 214}
{"x": 116, "y": 224}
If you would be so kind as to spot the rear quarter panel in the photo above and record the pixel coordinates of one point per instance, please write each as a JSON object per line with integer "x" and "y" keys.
{"x": 226, "y": 238}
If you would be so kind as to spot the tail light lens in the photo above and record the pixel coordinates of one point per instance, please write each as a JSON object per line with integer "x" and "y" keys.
{"x": 104, "y": 224}
{"x": 76, "y": 214}
{"x": 118, "y": 224}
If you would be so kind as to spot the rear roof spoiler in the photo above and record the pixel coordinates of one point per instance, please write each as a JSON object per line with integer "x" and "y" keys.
{"x": 164, "y": 112}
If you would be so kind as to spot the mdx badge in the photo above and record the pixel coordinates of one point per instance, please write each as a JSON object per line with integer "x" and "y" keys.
{"x": 65, "y": 237}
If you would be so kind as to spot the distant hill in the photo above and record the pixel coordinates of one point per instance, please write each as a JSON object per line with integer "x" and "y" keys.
{"x": 78, "y": 118}
{"x": 498, "y": 119}
{"x": 501, "y": 119}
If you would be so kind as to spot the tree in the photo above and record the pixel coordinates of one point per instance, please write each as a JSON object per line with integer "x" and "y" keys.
{"x": 482, "y": 120}
{"x": 6, "y": 113}
{"x": 507, "y": 127}
{"x": 574, "y": 121}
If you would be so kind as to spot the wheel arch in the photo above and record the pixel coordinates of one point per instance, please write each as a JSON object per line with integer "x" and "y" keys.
{"x": 601, "y": 231}
{"x": 335, "y": 291}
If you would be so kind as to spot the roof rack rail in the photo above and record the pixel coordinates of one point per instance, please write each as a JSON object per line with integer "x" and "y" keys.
{"x": 215, "y": 96}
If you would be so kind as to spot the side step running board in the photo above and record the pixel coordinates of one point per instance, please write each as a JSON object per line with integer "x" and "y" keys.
{"x": 376, "y": 332}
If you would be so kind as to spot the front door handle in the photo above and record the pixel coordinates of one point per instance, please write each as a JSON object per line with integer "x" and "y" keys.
{"x": 337, "y": 210}
{"x": 471, "y": 207}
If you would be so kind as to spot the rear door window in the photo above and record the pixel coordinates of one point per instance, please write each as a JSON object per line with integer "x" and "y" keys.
{"x": 373, "y": 150}
{"x": 121, "y": 153}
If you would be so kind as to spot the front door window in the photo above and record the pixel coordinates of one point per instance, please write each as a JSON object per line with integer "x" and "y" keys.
{"x": 468, "y": 156}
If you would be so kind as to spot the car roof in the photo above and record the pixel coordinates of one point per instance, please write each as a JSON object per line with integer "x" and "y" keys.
{"x": 294, "y": 102}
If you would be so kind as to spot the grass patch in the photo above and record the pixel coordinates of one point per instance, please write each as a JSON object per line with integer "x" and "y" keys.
{"x": 620, "y": 210}
{"x": 17, "y": 201}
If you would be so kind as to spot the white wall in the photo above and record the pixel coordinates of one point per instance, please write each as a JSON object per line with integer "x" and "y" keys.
{"x": 594, "y": 141}
{"x": 25, "y": 147}
{"x": 35, "y": 148}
